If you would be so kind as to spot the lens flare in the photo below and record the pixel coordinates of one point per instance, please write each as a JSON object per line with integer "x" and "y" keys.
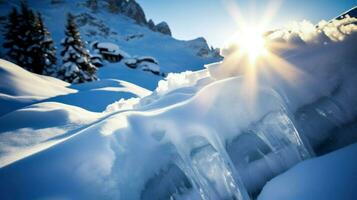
{"x": 253, "y": 53}
{"x": 252, "y": 43}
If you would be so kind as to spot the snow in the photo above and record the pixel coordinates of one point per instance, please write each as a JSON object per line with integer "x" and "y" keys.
{"x": 332, "y": 176}
{"x": 174, "y": 54}
{"x": 149, "y": 66}
{"x": 38, "y": 111}
{"x": 109, "y": 46}
{"x": 178, "y": 80}
{"x": 121, "y": 71}
{"x": 19, "y": 87}
{"x": 207, "y": 134}
{"x": 36, "y": 127}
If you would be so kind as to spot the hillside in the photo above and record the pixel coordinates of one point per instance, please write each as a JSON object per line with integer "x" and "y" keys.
{"x": 131, "y": 35}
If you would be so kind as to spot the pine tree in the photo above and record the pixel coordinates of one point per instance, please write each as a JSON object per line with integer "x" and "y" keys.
{"x": 28, "y": 38}
{"x": 34, "y": 50}
{"x": 11, "y": 39}
{"x": 22, "y": 39}
{"x": 28, "y": 42}
{"x": 48, "y": 49}
{"x": 76, "y": 67}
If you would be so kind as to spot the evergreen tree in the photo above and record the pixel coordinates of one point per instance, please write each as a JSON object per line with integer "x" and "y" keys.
{"x": 48, "y": 50}
{"x": 11, "y": 39}
{"x": 22, "y": 39}
{"x": 28, "y": 38}
{"x": 76, "y": 67}
{"x": 28, "y": 42}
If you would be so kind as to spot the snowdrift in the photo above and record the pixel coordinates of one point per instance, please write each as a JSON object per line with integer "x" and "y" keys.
{"x": 37, "y": 127}
{"x": 19, "y": 87}
{"x": 329, "y": 177}
{"x": 37, "y": 112}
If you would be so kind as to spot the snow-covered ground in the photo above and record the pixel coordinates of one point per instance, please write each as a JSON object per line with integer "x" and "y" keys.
{"x": 136, "y": 40}
{"x": 228, "y": 131}
{"x": 19, "y": 87}
{"x": 38, "y": 111}
{"x": 330, "y": 177}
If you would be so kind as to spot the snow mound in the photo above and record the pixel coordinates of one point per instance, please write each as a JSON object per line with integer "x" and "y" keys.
{"x": 330, "y": 177}
{"x": 178, "y": 80}
{"x": 19, "y": 87}
{"x": 98, "y": 95}
{"x": 37, "y": 127}
{"x": 14, "y": 78}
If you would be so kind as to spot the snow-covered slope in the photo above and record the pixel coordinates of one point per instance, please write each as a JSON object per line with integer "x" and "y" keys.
{"x": 37, "y": 127}
{"x": 37, "y": 111}
{"x": 137, "y": 40}
{"x": 330, "y": 177}
{"x": 19, "y": 87}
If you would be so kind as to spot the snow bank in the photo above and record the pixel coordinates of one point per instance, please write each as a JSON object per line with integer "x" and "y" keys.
{"x": 35, "y": 128}
{"x": 330, "y": 177}
{"x": 19, "y": 87}
{"x": 120, "y": 71}
{"x": 179, "y": 80}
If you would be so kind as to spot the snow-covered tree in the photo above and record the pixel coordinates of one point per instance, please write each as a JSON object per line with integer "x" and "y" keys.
{"x": 48, "y": 50}
{"x": 11, "y": 40}
{"x": 28, "y": 39}
{"x": 22, "y": 38}
{"x": 28, "y": 42}
{"x": 76, "y": 67}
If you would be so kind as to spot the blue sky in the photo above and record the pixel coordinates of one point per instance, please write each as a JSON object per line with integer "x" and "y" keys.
{"x": 189, "y": 19}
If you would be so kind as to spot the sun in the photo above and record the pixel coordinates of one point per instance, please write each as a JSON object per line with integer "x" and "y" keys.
{"x": 251, "y": 43}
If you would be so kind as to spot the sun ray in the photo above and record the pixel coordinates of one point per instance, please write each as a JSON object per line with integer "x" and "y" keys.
{"x": 257, "y": 54}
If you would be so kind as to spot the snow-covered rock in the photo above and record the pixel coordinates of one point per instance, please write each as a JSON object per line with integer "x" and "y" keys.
{"x": 151, "y": 24}
{"x": 145, "y": 63}
{"x": 202, "y": 48}
{"x": 109, "y": 51}
{"x": 163, "y": 28}
{"x": 133, "y": 10}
